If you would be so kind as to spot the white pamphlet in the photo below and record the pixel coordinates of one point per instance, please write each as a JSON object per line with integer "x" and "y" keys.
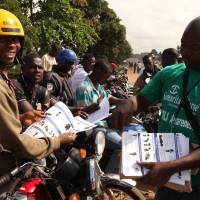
{"x": 58, "y": 120}
{"x": 153, "y": 147}
{"x": 101, "y": 113}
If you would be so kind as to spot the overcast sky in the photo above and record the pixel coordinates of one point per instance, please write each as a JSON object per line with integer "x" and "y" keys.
{"x": 155, "y": 24}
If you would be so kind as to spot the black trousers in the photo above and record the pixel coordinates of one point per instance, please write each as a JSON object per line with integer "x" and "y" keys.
{"x": 164, "y": 193}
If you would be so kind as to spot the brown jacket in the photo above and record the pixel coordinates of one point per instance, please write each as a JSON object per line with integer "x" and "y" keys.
{"x": 22, "y": 146}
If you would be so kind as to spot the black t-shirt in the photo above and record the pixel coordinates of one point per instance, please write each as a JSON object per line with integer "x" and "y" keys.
{"x": 58, "y": 86}
{"x": 38, "y": 94}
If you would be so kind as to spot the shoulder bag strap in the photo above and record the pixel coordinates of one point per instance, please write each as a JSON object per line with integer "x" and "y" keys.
{"x": 186, "y": 105}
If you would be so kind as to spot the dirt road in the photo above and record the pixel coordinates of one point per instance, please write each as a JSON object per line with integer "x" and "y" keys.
{"x": 132, "y": 76}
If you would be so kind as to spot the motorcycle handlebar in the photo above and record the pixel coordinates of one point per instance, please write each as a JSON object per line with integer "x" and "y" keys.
{"x": 5, "y": 179}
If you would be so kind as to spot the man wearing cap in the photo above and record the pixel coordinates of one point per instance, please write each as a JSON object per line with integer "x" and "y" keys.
{"x": 57, "y": 81}
{"x": 30, "y": 95}
{"x": 49, "y": 59}
{"x": 15, "y": 146}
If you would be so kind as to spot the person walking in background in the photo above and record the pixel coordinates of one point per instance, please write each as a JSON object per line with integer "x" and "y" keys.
{"x": 135, "y": 67}
{"x": 130, "y": 65}
{"x": 48, "y": 60}
{"x": 139, "y": 66}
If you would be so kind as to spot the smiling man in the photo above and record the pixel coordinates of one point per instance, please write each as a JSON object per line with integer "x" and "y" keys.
{"x": 15, "y": 146}
{"x": 178, "y": 87}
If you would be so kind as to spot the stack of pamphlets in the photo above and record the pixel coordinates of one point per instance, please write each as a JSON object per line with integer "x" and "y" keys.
{"x": 153, "y": 147}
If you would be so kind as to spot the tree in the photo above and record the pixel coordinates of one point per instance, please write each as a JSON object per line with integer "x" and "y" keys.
{"x": 83, "y": 25}
{"x": 125, "y": 51}
{"x": 112, "y": 34}
{"x": 80, "y": 3}
{"x": 52, "y": 21}
{"x": 57, "y": 21}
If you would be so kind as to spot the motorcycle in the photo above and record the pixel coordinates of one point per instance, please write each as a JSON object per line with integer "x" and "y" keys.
{"x": 78, "y": 177}
{"x": 117, "y": 85}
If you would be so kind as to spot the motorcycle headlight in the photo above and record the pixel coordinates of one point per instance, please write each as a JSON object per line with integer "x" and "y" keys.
{"x": 99, "y": 143}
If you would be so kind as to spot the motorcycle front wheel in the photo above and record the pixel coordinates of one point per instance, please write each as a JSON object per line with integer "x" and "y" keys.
{"x": 119, "y": 192}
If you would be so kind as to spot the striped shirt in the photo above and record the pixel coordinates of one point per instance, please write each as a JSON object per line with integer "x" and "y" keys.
{"x": 87, "y": 94}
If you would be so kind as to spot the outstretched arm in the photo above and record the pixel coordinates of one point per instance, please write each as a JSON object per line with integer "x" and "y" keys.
{"x": 126, "y": 109}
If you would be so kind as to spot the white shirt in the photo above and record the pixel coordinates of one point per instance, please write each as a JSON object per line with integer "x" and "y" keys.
{"x": 78, "y": 77}
{"x": 48, "y": 62}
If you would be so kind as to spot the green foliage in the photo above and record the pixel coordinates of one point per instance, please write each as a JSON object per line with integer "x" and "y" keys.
{"x": 58, "y": 22}
{"x": 83, "y": 25}
{"x": 125, "y": 51}
{"x": 112, "y": 44}
{"x": 80, "y": 3}
{"x": 52, "y": 21}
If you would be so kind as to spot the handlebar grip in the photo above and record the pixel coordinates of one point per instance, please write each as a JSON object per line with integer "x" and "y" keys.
{"x": 6, "y": 178}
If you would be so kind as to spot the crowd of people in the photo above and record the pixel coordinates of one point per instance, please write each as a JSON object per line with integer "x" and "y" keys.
{"x": 58, "y": 76}
{"x": 43, "y": 81}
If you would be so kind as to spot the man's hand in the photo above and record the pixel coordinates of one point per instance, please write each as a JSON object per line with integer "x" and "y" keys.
{"x": 82, "y": 114}
{"x": 92, "y": 108}
{"x": 122, "y": 115}
{"x": 30, "y": 117}
{"x": 68, "y": 138}
{"x": 53, "y": 101}
{"x": 158, "y": 175}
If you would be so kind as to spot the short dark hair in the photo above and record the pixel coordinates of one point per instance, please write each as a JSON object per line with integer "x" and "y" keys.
{"x": 87, "y": 57}
{"x": 54, "y": 46}
{"x": 169, "y": 57}
{"x": 147, "y": 56}
{"x": 29, "y": 58}
{"x": 101, "y": 66}
{"x": 170, "y": 52}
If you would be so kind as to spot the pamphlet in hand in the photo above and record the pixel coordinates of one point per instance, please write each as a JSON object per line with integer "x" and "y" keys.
{"x": 153, "y": 147}
{"x": 58, "y": 119}
{"x": 101, "y": 113}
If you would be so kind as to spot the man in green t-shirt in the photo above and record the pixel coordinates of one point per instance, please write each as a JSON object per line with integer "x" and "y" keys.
{"x": 167, "y": 87}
